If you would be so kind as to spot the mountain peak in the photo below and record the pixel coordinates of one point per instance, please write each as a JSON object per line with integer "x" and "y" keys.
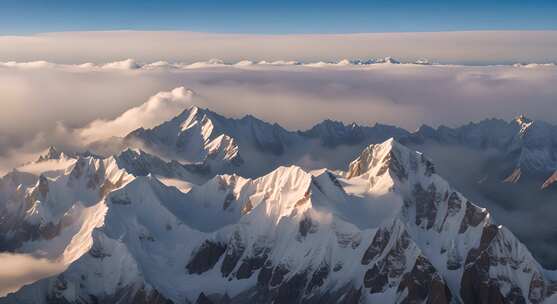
{"x": 376, "y": 159}
{"x": 131, "y": 152}
{"x": 194, "y": 109}
{"x": 50, "y": 154}
{"x": 189, "y": 112}
{"x": 522, "y": 120}
{"x": 390, "y": 157}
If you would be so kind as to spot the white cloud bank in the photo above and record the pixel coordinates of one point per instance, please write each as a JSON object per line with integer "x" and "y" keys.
{"x": 153, "y": 112}
{"x": 43, "y": 102}
{"x": 65, "y": 105}
{"x": 448, "y": 47}
{"x": 20, "y": 269}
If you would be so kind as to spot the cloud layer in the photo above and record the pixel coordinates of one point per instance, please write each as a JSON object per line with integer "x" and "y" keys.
{"x": 71, "y": 105}
{"x": 55, "y": 100}
{"x": 19, "y": 269}
{"x": 447, "y": 47}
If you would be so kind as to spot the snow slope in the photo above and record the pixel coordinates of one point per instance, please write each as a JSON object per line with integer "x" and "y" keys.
{"x": 387, "y": 230}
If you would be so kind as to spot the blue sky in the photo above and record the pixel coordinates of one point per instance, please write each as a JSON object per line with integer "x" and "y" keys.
{"x": 276, "y": 17}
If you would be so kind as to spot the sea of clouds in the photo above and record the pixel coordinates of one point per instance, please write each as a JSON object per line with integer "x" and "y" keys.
{"x": 71, "y": 89}
{"x": 43, "y": 102}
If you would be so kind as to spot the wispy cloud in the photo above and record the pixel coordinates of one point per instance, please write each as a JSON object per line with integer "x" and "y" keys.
{"x": 20, "y": 269}
{"x": 153, "y": 112}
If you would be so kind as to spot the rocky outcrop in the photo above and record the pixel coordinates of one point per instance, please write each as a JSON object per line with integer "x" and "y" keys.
{"x": 424, "y": 283}
{"x": 205, "y": 257}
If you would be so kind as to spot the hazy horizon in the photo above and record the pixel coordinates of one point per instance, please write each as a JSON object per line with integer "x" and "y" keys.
{"x": 458, "y": 47}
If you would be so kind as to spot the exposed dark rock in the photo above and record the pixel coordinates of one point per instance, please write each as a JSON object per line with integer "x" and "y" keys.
{"x": 454, "y": 261}
{"x": 264, "y": 276}
{"x": 454, "y": 204}
{"x": 248, "y": 206}
{"x": 473, "y": 217}
{"x": 378, "y": 245}
{"x": 95, "y": 180}
{"x": 426, "y": 205}
{"x": 279, "y": 273}
{"x": 515, "y": 296}
{"x": 234, "y": 251}
{"x": 422, "y": 283}
{"x": 50, "y": 230}
{"x": 334, "y": 180}
{"x": 476, "y": 291}
{"x": 392, "y": 266}
{"x": 205, "y": 258}
{"x": 43, "y": 187}
{"x": 537, "y": 287}
{"x": 203, "y": 299}
{"x": 292, "y": 290}
{"x": 251, "y": 264}
{"x": 429, "y": 167}
{"x": 305, "y": 226}
{"x": 228, "y": 200}
{"x": 476, "y": 285}
{"x": 319, "y": 276}
{"x": 376, "y": 279}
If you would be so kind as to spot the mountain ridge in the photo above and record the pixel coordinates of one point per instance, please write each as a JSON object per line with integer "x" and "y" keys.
{"x": 390, "y": 229}
{"x": 425, "y": 240}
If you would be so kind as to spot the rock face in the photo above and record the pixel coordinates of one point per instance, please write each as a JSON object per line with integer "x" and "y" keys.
{"x": 205, "y": 257}
{"x": 388, "y": 230}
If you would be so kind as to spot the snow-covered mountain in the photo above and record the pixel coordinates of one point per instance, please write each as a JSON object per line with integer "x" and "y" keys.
{"x": 507, "y": 165}
{"x": 334, "y": 133}
{"x": 525, "y": 147}
{"x": 388, "y": 230}
{"x": 215, "y": 144}
{"x": 212, "y": 144}
{"x": 209, "y": 209}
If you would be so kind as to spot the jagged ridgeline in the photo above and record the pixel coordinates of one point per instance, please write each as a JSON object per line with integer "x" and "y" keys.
{"x": 206, "y": 212}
